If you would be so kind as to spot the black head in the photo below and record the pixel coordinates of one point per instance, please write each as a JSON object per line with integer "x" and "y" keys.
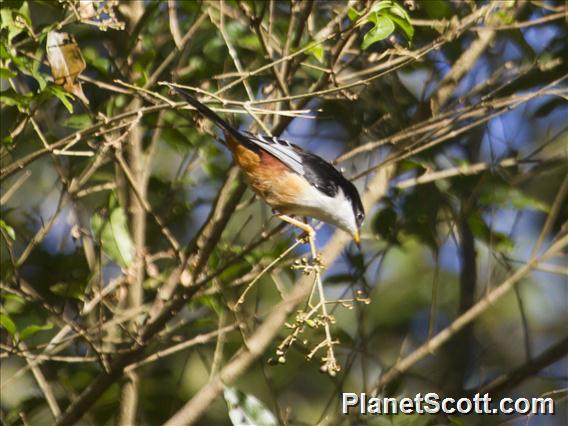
{"x": 358, "y": 211}
{"x": 351, "y": 192}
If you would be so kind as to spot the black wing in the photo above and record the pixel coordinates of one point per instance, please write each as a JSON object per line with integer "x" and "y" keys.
{"x": 321, "y": 174}
{"x": 291, "y": 155}
{"x": 326, "y": 178}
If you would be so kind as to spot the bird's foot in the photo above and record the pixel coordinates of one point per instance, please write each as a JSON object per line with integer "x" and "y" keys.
{"x": 304, "y": 237}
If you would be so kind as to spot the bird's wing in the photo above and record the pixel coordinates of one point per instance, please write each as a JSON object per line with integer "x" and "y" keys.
{"x": 318, "y": 172}
{"x": 291, "y": 155}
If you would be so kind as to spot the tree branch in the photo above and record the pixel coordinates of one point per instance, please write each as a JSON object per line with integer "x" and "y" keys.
{"x": 467, "y": 317}
{"x": 525, "y": 371}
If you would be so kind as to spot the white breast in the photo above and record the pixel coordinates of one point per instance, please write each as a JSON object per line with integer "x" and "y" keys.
{"x": 336, "y": 210}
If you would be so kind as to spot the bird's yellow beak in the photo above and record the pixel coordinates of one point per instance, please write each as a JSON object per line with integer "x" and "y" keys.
{"x": 357, "y": 238}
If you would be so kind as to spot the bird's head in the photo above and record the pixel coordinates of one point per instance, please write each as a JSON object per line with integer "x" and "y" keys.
{"x": 359, "y": 218}
{"x": 349, "y": 213}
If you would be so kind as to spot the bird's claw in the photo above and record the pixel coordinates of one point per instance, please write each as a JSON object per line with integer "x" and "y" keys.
{"x": 304, "y": 237}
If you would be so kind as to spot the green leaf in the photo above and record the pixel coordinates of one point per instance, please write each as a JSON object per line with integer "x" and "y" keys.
{"x": 74, "y": 290}
{"x": 317, "y": 52}
{"x": 30, "y": 330}
{"x": 13, "y": 297}
{"x": 9, "y": 18}
{"x": 40, "y": 78}
{"x": 399, "y": 11}
{"x": 8, "y": 229}
{"x": 249, "y": 41}
{"x": 30, "y": 67}
{"x": 7, "y": 21}
{"x": 78, "y": 121}
{"x": 505, "y": 17}
{"x": 4, "y": 51}
{"x": 507, "y": 197}
{"x": 5, "y": 73}
{"x": 11, "y": 98}
{"x": 247, "y": 409}
{"x": 63, "y": 96}
{"x": 403, "y": 22}
{"x": 385, "y": 4}
{"x": 24, "y": 12}
{"x": 384, "y": 27}
{"x": 412, "y": 164}
{"x": 114, "y": 235}
{"x": 386, "y": 15}
{"x": 213, "y": 303}
{"x": 353, "y": 14}
{"x": 498, "y": 240}
{"x": 521, "y": 200}
{"x": 6, "y": 18}
{"x": 95, "y": 60}
{"x": 8, "y": 324}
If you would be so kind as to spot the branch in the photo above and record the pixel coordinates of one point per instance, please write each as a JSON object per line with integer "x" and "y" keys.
{"x": 467, "y": 60}
{"x": 200, "y": 248}
{"x": 467, "y": 317}
{"x": 427, "y": 143}
{"x": 42, "y": 383}
{"x": 197, "y": 340}
{"x": 174, "y": 24}
{"x": 462, "y": 66}
{"x": 463, "y": 170}
{"x": 461, "y": 349}
{"x": 529, "y": 369}
{"x": 209, "y": 235}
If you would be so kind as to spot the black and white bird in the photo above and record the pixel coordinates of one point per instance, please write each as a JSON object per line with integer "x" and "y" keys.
{"x": 292, "y": 181}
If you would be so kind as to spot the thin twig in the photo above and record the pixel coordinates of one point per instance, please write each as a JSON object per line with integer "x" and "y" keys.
{"x": 43, "y": 384}
{"x": 174, "y": 24}
{"x": 264, "y": 271}
{"x": 467, "y": 317}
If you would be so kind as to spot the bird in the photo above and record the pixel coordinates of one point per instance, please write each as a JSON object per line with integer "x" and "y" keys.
{"x": 291, "y": 180}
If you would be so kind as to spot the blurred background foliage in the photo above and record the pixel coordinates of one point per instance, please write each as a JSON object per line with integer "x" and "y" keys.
{"x": 394, "y": 83}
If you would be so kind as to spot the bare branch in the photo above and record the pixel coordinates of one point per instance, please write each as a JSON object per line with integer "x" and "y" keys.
{"x": 467, "y": 317}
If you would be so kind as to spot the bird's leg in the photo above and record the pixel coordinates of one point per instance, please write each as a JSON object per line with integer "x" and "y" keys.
{"x": 311, "y": 234}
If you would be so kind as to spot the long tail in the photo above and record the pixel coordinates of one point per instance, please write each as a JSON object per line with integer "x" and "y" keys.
{"x": 213, "y": 116}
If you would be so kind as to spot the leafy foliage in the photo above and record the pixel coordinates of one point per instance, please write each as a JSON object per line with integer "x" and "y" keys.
{"x": 127, "y": 239}
{"x": 114, "y": 235}
{"x": 385, "y": 15}
{"x": 247, "y": 409}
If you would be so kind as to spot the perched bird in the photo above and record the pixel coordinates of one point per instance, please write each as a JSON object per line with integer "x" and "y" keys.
{"x": 292, "y": 181}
